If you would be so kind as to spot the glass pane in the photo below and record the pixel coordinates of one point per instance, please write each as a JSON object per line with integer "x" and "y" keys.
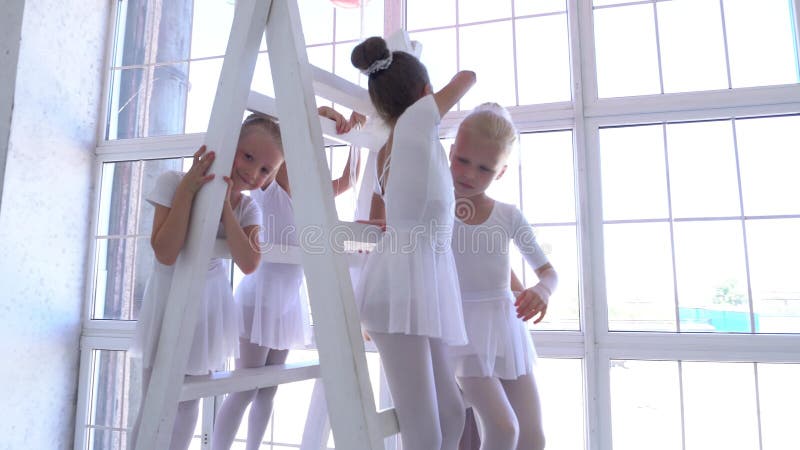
{"x": 145, "y": 260}
{"x": 527, "y": 7}
{"x": 109, "y": 384}
{"x": 141, "y": 21}
{"x": 488, "y": 50}
{"x": 127, "y": 94}
{"x": 719, "y": 406}
{"x": 634, "y": 181}
{"x": 608, "y": 2}
{"x": 115, "y": 385}
{"x": 692, "y": 45}
{"x": 119, "y": 199}
{"x": 438, "y": 54}
{"x": 548, "y": 182}
{"x": 702, "y": 170}
{"x": 114, "y": 278}
{"x": 772, "y": 247}
{"x": 779, "y": 397}
{"x": 479, "y": 10}
{"x": 561, "y": 247}
{"x": 142, "y": 106}
{"x": 203, "y": 80}
{"x": 761, "y": 42}
{"x": 211, "y": 26}
{"x": 560, "y": 384}
{"x": 317, "y": 20}
{"x": 104, "y": 439}
{"x": 768, "y": 160}
{"x": 344, "y": 68}
{"x": 639, "y": 282}
{"x": 641, "y": 414}
{"x": 710, "y": 271}
{"x": 348, "y": 21}
{"x": 543, "y": 70}
{"x": 426, "y": 14}
{"x": 627, "y": 55}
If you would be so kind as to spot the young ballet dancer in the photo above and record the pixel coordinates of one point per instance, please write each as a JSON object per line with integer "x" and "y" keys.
{"x": 494, "y": 369}
{"x": 257, "y": 160}
{"x": 270, "y": 298}
{"x": 408, "y": 292}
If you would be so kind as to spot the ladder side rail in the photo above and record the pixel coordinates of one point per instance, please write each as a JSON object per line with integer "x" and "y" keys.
{"x": 176, "y": 334}
{"x": 337, "y": 327}
{"x": 367, "y": 137}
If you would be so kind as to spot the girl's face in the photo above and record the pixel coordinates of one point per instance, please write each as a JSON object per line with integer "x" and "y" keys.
{"x": 475, "y": 162}
{"x": 258, "y": 158}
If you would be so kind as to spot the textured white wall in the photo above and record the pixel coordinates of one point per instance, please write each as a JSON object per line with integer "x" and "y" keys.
{"x": 44, "y": 221}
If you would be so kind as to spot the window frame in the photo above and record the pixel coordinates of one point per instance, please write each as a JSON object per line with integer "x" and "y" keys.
{"x": 594, "y": 343}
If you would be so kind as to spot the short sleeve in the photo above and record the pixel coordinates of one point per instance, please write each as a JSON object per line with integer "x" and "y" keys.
{"x": 164, "y": 190}
{"x": 418, "y": 124}
{"x": 251, "y": 213}
{"x": 525, "y": 240}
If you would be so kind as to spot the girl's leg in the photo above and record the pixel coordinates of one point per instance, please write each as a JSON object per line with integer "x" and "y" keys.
{"x": 230, "y": 413}
{"x": 524, "y": 397}
{"x": 498, "y": 422}
{"x": 185, "y": 423}
{"x": 452, "y": 411}
{"x": 470, "y": 439}
{"x": 262, "y": 405}
{"x": 406, "y": 360}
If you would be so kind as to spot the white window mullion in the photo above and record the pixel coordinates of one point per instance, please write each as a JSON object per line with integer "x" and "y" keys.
{"x": 584, "y": 91}
{"x": 744, "y": 232}
{"x": 84, "y": 398}
{"x": 91, "y": 266}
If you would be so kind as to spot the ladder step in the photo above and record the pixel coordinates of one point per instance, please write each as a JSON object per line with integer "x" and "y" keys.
{"x": 199, "y": 386}
{"x": 387, "y": 420}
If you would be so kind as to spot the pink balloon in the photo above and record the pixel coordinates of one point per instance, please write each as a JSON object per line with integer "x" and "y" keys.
{"x": 347, "y": 3}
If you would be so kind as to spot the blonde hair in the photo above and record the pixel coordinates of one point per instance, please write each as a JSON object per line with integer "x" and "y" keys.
{"x": 492, "y": 121}
{"x": 265, "y": 123}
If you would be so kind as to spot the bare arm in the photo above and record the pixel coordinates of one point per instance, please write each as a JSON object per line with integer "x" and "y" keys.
{"x": 449, "y": 95}
{"x": 240, "y": 240}
{"x": 377, "y": 210}
{"x": 170, "y": 224}
{"x": 344, "y": 182}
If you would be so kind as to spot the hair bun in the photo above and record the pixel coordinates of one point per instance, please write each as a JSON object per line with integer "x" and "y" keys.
{"x": 369, "y": 51}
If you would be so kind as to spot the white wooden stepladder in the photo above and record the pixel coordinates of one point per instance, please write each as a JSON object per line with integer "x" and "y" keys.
{"x": 354, "y": 420}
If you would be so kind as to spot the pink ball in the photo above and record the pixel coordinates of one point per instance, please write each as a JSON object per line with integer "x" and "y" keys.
{"x": 347, "y": 3}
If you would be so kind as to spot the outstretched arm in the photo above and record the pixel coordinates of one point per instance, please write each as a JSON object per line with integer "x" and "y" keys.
{"x": 449, "y": 95}
{"x": 344, "y": 182}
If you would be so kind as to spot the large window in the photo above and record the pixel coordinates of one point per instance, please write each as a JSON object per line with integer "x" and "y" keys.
{"x": 656, "y": 161}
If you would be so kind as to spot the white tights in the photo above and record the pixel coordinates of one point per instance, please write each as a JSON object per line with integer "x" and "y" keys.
{"x": 429, "y": 406}
{"x": 508, "y": 411}
{"x": 232, "y": 410}
{"x": 185, "y": 419}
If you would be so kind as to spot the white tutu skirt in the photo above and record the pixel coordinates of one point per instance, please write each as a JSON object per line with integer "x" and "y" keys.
{"x": 499, "y": 345}
{"x": 411, "y": 287}
{"x": 216, "y": 336}
{"x": 274, "y": 306}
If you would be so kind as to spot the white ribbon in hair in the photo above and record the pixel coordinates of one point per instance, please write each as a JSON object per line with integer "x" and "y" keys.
{"x": 378, "y": 65}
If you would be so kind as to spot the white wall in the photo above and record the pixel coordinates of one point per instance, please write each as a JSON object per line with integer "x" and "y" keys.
{"x": 45, "y": 214}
